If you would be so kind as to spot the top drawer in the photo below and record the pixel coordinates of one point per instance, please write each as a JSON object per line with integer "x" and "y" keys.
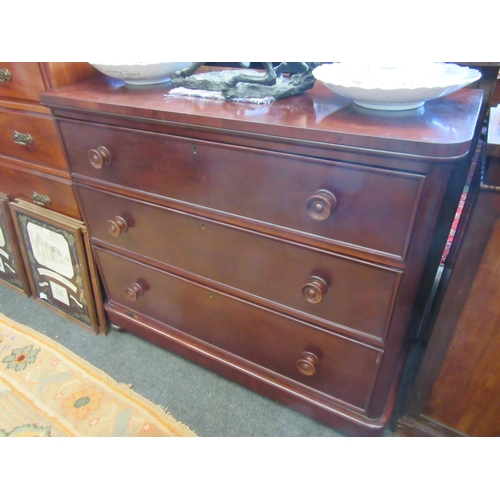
{"x": 21, "y": 80}
{"x": 349, "y": 204}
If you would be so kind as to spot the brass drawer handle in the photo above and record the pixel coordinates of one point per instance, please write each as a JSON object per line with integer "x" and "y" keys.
{"x": 23, "y": 139}
{"x": 5, "y": 75}
{"x": 40, "y": 199}
{"x": 321, "y": 204}
{"x": 117, "y": 226}
{"x": 314, "y": 290}
{"x": 134, "y": 291}
{"x": 307, "y": 363}
{"x": 99, "y": 157}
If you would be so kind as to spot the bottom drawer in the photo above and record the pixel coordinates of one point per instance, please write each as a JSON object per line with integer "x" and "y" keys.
{"x": 322, "y": 360}
{"x": 26, "y": 185}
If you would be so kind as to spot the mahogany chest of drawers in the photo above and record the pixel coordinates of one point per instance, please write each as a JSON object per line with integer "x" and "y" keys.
{"x": 281, "y": 245}
{"x": 32, "y": 163}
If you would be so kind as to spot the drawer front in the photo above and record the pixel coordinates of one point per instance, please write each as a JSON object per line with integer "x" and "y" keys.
{"x": 31, "y": 137}
{"x": 366, "y": 207}
{"x": 21, "y": 80}
{"x": 342, "y": 291}
{"x": 345, "y": 369}
{"x": 40, "y": 188}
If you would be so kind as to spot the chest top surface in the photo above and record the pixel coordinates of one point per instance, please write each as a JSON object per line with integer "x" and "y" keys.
{"x": 442, "y": 129}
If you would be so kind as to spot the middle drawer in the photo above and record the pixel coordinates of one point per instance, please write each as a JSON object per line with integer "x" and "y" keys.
{"x": 336, "y": 291}
{"x": 31, "y": 137}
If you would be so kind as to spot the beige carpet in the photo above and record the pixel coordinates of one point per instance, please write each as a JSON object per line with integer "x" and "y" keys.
{"x": 46, "y": 390}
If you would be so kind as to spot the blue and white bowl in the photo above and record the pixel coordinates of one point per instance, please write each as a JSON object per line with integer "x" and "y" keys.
{"x": 141, "y": 73}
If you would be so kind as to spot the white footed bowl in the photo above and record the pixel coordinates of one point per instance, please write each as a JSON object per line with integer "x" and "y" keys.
{"x": 141, "y": 73}
{"x": 396, "y": 87}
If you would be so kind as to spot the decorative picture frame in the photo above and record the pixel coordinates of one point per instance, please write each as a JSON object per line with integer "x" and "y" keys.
{"x": 53, "y": 249}
{"x": 12, "y": 271}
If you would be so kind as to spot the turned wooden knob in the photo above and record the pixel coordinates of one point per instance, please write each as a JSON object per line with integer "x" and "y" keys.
{"x": 134, "y": 291}
{"x": 99, "y": 157}
{"x": 307, "y": 363}
{"x": 314, "y": 290}
{"x": 117, "y": 226}
{"x": 321, "y": 204}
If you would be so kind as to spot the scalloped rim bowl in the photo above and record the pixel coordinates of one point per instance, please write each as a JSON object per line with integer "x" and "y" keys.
{"x": 394, "y": 87}
{"x": 141, "y": 73}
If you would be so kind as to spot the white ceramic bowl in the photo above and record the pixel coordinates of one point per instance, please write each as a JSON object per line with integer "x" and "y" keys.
{"x": 141, "y": 73}
{"x": 396, "y": 87}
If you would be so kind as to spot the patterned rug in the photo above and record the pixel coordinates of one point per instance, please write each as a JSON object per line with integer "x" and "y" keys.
{"x": 46, "y": 390}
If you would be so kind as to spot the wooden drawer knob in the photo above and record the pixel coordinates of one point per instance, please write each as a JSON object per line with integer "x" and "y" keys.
{"x": 134, "y": 291}
{"x": 314, "y": 290}
{"x": 307, "y": 363}
{"x": 99, "y": 157}
{"x": 117, "y": 226}
{"x": 321, "y": 204}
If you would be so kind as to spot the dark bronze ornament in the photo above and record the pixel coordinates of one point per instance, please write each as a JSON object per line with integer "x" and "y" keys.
{"x": 284, "y": 80}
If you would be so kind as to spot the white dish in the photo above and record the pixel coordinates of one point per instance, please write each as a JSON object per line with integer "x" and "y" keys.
{"x": 141, "y": 73}
{"x": 396, "y": 87}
